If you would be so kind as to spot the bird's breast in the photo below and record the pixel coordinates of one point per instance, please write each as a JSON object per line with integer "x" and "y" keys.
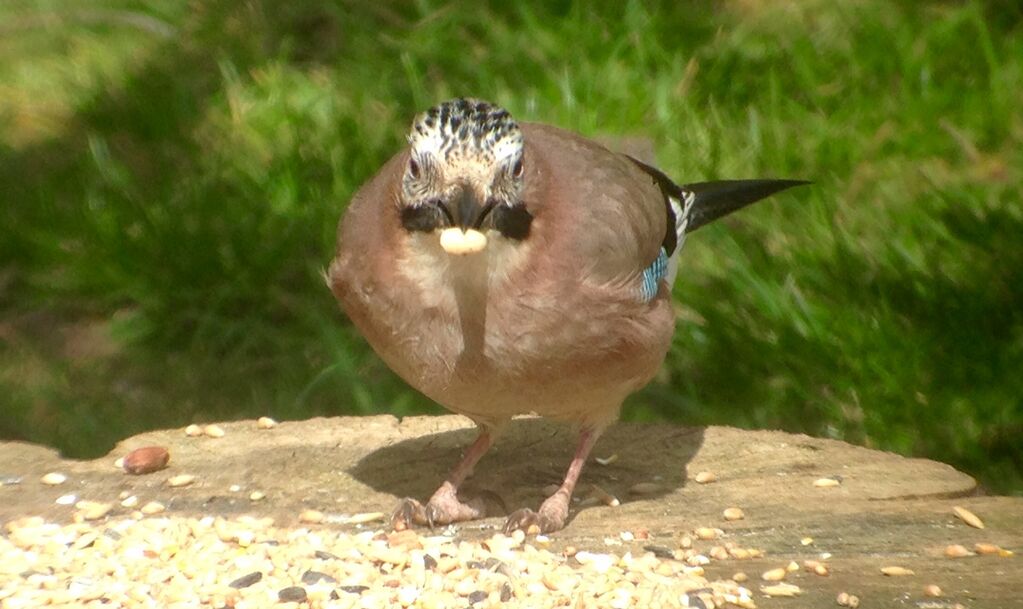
{"x": 495, "y": 334}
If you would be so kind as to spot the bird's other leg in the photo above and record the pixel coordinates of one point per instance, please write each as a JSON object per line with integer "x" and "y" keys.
{"x": 444, "y": 506}
{"x": 553, "y": 513}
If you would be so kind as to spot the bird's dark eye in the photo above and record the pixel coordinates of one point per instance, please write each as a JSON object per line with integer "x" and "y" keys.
{"x": 413, "y": 169}
{"x": 518, "y": 169}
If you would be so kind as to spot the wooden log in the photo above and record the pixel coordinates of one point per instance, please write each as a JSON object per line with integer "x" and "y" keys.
{"x": 886, "y": 510}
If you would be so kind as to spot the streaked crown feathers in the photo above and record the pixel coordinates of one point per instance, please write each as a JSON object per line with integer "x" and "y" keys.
{"x": 466, "y": 127}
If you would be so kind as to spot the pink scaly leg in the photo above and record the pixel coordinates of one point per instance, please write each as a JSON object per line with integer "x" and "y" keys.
{"x": 553, "y": 513}
{"x": 444, "y": 506}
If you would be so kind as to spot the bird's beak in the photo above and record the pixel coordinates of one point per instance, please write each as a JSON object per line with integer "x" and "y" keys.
{"x": 466, "y": 215}
{"x": 465, "y": 209}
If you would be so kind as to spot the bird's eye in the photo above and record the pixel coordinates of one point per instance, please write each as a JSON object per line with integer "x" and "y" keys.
{"x": 518, "y": 169}
{"x": 413, "y": 169}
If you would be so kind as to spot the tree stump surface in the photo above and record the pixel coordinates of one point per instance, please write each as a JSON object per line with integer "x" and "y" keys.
{"x": 888, "y": 510}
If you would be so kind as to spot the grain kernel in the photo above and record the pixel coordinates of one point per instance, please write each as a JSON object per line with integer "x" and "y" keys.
{"x": 213, "y": 431}
{"x": 151, "y": 508}
{"x": 604, "y": 497}
{"x": 932, "y": 590}
{"x": 733, "y": 513}
{"x": 957, "y": 551}
{"x": 93, "y": 510}
{"x": 968, "y": 517}
{"x": 53, "y": 479}
{"x": 896, "y": 571}
{"x": 774, "y": 575}
{"x": 705, "y": 477}
{"x": 311, "y": 516}
{"x": 782, "y": 589}
{"x": 180, "y": 480}
{"x": 364, "y": 517}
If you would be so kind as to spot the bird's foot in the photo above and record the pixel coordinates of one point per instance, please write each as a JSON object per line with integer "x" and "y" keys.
{"x": 408, "y": 512}
{"x": 443, "y": 508}
{"x": 552, "y": 516}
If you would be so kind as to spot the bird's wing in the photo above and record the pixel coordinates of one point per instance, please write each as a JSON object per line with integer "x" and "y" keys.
{"x": 691, "y": 206}
{"x": 597, "y": 215}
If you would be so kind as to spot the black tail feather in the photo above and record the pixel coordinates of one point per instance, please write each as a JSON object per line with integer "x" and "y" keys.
{"x": 722, "y": 197}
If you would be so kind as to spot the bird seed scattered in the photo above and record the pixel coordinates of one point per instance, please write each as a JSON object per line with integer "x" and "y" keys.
{"x": 213, "y": 431}
{"x": 968, "y": 517}
{"x": 180, "y": 480}
{"x": 705, "y": 477}
{"x": 957, "y": 551}
{"x": 826, "y": 482}
{"x": 782, "y": 589}
{"x": 734, "y": 513}
{"x": 774, "y": 575}
{"x": 53, "y": 479}
{"x": 146, "y": 460}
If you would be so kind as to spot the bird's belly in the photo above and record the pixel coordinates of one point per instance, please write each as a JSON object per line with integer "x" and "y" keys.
{"x": 570, "y": 363}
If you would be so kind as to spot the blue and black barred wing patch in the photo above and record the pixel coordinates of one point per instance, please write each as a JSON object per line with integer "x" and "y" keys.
{"x": 652, "y": 276}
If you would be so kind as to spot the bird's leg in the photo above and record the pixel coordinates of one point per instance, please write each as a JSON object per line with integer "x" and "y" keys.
{"x": 553, "y": 513}
{"x": 444, "y": 506}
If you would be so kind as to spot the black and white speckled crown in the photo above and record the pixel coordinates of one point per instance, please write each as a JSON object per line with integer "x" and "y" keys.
{"x": 466, "y": 127}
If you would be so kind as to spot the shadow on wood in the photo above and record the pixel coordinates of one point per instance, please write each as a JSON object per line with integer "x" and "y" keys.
{"x": 529, "y": 455}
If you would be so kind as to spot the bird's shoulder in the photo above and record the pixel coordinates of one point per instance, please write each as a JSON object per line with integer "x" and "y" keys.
{"x": 602, "y": 207}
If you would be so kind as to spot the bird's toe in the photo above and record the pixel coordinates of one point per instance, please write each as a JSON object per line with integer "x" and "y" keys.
{"x": 446, "y": 508}
{"x": 527, "y": 520}
{"x": 408, "y": 512}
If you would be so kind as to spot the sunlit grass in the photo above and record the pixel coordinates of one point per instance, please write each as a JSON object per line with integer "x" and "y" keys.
{"x": 172, "y": 178}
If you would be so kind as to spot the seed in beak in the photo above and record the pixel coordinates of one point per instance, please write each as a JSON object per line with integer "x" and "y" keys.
{"x": 458, "y": 243}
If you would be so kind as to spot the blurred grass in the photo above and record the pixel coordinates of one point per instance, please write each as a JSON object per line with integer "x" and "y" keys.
{"x": 171, "y": 175}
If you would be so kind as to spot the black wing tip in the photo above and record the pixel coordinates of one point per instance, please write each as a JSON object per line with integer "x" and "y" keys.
{"x": 779, "y": 183}
{"x": 721, "y": 197}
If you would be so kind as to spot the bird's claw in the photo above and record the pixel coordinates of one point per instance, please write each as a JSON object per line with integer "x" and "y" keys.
{"x": 525, "y": 519}
{"x": 408, "y": 512}
{"x": 440, "y": 510}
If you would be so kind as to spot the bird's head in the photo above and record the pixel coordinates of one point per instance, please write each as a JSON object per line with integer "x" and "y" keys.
{"x": 464, "y": 177}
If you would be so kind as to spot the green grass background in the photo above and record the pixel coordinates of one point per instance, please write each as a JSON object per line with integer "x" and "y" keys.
{"x": 171, "y": 174}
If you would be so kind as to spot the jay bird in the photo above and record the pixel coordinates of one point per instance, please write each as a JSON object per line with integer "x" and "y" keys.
{"x": 506, "y": 268}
